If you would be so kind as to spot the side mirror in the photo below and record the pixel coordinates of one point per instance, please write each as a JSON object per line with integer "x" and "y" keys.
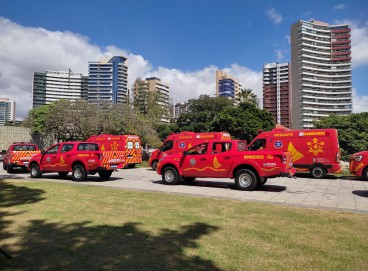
{"x": 3, "y": 151}
{"x": 160, "y": 149}
{"x": 185, "y": 152}
{"x": 43, "y": 152}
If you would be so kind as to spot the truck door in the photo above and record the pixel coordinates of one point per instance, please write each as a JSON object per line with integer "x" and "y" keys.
{"x": 65, "y": 156}
{"x": 51, "y": 159}
{"x": 220, "y": 158}
{"x": 195, "y": 162}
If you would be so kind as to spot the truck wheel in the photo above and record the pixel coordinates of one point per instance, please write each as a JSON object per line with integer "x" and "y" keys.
{"x": 79, "y": 173}
{"x": 318, "y": 172}
{"x": 245, "y": 180}
{"x": 170, "y": 176}
{"x": 365, "y": 174}
{"x": 9, "y": 168}
{"x": 105, "y": 174}
{"x": 262, "y": 181}
{"x": 154, "y": 165}
{"x": 188, "y": 179}
{"x": 35, "y": 171}
{"x": 63, "y": 174}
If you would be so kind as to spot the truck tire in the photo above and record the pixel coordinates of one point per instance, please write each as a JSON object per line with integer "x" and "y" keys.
{"x": 9, "y": 168}
{"x": 79, "y": 173}
{"x": 63, "y": 174}
{"x": 188, "y": 179}
{"x": 35, "y": 171}
{"x": 262, "y": 181}
{"x": 154, "y": 165}
{"x": 365, "y": 174}
{"x": 318, "y": 172}
{"x": 4, "y": 165}
{"x": 105, "y": 174}
{"x": 170, "y": 176}
{"x": 245, "y": 180}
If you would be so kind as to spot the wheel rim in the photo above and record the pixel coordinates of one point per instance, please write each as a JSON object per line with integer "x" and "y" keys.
{"x": 245, "y": 180}
{"x": 34, "y": 171}
{"x": 169, "y": 176}
{"x": 318, "y": 172}
{"x": 154, "y": 165}
{"x": 78, "y": 173}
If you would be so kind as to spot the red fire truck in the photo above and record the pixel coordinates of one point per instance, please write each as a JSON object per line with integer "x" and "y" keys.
{"x": 180, "y": 142}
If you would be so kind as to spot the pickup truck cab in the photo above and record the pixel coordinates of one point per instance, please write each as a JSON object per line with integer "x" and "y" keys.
{"x": 225, "y": 159}
{"x": 18, "y": 155}
{"x": 358, "y": 164}
{"x": 80, "y": 158}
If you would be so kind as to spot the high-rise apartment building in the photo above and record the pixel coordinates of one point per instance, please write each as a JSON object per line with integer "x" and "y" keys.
{"x": 276, "y": 92}
{"x": 52, "y": 86}
{"x": 179, "y": 108}
{"x": 7, "y": 111}
{"x": 108, "y": 80}
{"x": 226, "y": 85}
{"x": 141, "y": 94}
{"x": 320, "y": 72}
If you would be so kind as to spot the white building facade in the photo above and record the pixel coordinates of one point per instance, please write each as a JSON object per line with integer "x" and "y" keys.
{"x": 51, "y": 86}
{"x": 320, "y": 72}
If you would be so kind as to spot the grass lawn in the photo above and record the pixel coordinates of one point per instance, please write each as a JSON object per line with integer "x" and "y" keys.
{"x": 54, "y": 226}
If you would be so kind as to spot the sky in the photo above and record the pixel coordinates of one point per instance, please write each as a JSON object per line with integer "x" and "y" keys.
{"x": 181, "y": 42}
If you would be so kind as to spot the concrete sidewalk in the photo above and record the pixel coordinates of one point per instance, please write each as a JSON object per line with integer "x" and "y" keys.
{"x": 343, "y": 194}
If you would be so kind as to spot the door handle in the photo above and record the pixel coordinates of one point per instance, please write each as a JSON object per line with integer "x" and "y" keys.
{"x": 226, "y": 158}
{"x": 202, "y": 159}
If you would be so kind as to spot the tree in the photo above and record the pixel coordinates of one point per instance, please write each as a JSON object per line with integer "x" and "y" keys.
{"x": 243, "y": 122}
{"x": 201, "y": 112}
{"x": 247, "y": 96}
{"x": 352, "y": 131}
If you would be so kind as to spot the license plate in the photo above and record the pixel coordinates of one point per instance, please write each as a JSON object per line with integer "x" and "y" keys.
{"x": 114, "y": 166}
{"x": 25, "y": 163}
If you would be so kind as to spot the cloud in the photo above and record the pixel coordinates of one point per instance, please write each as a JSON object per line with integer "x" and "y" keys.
{"x": 340, "y": 6}
{"x": 359, "y": 102}
{"x": 275, "y": 17}
{"x": 359, "y": 44}
{"x": 287, "y": 37}
{"x": 25, "y": 50}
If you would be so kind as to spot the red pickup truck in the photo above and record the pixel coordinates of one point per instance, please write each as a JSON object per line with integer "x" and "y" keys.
{"x": 358, "y": 164}
{"x": 18, "y": 155}
{"x": 80, "y": 158}
{"x": 225, "y": 159}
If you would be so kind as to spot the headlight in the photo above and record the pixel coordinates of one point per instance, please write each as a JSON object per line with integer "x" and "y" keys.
{"x": 358, "y": 158}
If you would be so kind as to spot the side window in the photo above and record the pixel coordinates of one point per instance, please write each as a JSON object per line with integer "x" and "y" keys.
{"x": 242, "y": 146}
{"x": 137, "y": 145}
{"x": 199, "y": 149}
{"x": 259, "y": 144}
{"x": 168, "y": 145}
{"x": 67, "y": 147}
{"x": 17, "y": 148}
{"x": 219, "y": 147}
{"x": 87, "y": 147}
{"x": 53, "y": 149}
{"x": 31, "y": 148}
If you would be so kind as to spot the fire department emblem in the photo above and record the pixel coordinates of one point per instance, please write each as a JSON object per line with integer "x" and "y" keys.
{"x": 182, "y": 145}
{"x": 315, "y": 147}
{"x": 192, "y": 161}
{"x": 114, "y": 146}
{"x": 278, "y": 144}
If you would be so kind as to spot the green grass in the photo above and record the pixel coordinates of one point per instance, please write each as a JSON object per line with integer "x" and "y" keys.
{"x": 53, "y": 226}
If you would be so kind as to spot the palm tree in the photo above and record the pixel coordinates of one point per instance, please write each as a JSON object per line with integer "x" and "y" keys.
{"x": 246, "y": 96}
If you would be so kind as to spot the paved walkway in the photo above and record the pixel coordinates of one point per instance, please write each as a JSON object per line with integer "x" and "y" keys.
{"x": 343, "y": 194}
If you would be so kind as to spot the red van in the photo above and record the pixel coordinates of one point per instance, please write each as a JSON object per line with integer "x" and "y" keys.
{"x": 358, "y": 164}
{"x": 183, "y": 141}
{"x": 314, "y": 151}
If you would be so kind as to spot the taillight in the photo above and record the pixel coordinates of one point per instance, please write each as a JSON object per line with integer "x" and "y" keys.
{"x": 100, "y": 156}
